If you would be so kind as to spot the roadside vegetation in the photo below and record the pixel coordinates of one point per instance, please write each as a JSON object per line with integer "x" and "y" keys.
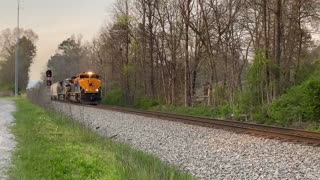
{"x": 298, "y": 107}
{"x": 247, "y": 60}
{"x": 254, "y": 60}
{"x": 51, "y": 146}
{"x": 27, "y": 53}
{"x": 251, "y": 60}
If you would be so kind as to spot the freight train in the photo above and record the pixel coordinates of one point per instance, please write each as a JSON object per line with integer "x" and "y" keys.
{"x": 83, "y": 88}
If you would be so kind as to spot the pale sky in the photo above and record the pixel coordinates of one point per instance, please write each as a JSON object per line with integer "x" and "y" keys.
{"x": 55, "y": 21}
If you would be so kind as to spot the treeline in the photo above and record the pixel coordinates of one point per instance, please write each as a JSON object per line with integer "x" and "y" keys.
{"x": 26, "y": 54}
{"x": 71, "y": 58}
{"x": 237, "y": 53}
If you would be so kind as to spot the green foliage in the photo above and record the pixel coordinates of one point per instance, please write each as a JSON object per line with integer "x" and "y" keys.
{"x": 70, "y": 47}
{"x": 299, "y": 103}
{"x": 310, "y": 63}
{"x": 135, "y": 46}
{"x": 314, "y": 128}
{"x": 205, "y": 111}
{"x": 306, "y": 70}
{"x": 27, "y": 52}
{"x": 7, "y": 87}
{"x": 245, "y": 102}
{"x": 114, "y": 97}
{"x": 69, "y": 60}
{"x": 145, "y": 103}
{"x": 129, "y": 69}
{"x": 123, "y": 20}
{"x": 195, "y": 111}
{"x": 252, "y": 98}
{"x": 260, "y": 115}
{"x": 225, "y": 111}
{"x": 220, "y": 95}
{"x": 256, "y": 72}
{"x": 52, "y": 146}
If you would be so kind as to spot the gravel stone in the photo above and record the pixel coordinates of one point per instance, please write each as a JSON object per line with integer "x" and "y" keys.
{"x": 204, "y": 152}
{"x": 7, "y": 141}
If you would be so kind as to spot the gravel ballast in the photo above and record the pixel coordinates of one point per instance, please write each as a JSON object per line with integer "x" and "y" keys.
{"x": 204, "y": 152}
{"x": 7, "y": 141}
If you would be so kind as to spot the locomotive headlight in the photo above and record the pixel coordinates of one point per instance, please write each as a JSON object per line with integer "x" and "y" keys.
{"x": 97, "y": 90}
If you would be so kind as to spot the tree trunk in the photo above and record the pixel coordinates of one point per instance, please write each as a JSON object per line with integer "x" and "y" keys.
{"x": 278, "y": 47}
{"x": 266, "y": 49}
{"x": 150, "y": 17}
{"x": 187, "y": 68}
{"x": 127, "y": 55}
{"x": 144, "y": 48}
{"x": 300, "y": 42}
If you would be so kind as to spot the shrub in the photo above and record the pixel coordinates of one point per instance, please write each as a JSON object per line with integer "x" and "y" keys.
{"x": 145, "y": 103}
{"x": 253, "y": 96}
{"x": 198, "y": 111}
{"x": 220, "y": 95}
{"x": 225, "y": 111}
{"x": 202, "y": 111}
{"x": 300, "y": 102}
{"x": 260, "y": 115}
{"x": 114, "y": 97}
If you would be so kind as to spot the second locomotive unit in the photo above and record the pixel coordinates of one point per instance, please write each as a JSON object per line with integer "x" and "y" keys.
{"x": 83, "y": 88}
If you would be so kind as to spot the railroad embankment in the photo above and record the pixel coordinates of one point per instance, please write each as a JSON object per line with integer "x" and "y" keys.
{"x": 206, "y": 153}
{"x": 52, "y": 146}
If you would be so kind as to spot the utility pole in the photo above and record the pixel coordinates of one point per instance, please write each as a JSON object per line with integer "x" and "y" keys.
{"x": 17, "y": 53}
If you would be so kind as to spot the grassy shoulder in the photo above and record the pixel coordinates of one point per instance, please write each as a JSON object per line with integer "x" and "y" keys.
{"x": 51, "y": 146}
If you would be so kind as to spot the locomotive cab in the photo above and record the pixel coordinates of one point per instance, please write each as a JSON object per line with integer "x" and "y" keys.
{"x": 87, "y": 87}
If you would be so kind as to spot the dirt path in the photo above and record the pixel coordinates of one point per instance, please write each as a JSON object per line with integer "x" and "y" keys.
{"x": 7, "y": 142}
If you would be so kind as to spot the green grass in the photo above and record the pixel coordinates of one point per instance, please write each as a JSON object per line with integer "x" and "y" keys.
{"x": 194, "y": 111}
{"x": 313, "y": 127}
{"x": 51, "y": 146}
{"x": 203, "y": 111}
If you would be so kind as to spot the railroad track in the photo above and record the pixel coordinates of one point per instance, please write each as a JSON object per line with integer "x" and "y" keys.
{"x": 273, "y": 132}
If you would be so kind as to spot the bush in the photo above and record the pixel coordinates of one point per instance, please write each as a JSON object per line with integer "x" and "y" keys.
{"x": 145, "y": 103}
{"x": 225, "y": 111}
{"x": 260, "y": 115}
{"x": 202, "y": 111}
{"x": 114, "y": 97}
{"x": 252, "y": 98}
{"x": 299, "y": 103}
{"x": 198, "y": 111}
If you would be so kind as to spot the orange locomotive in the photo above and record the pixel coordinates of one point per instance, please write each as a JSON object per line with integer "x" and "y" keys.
{"x": 83, "y": 88}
